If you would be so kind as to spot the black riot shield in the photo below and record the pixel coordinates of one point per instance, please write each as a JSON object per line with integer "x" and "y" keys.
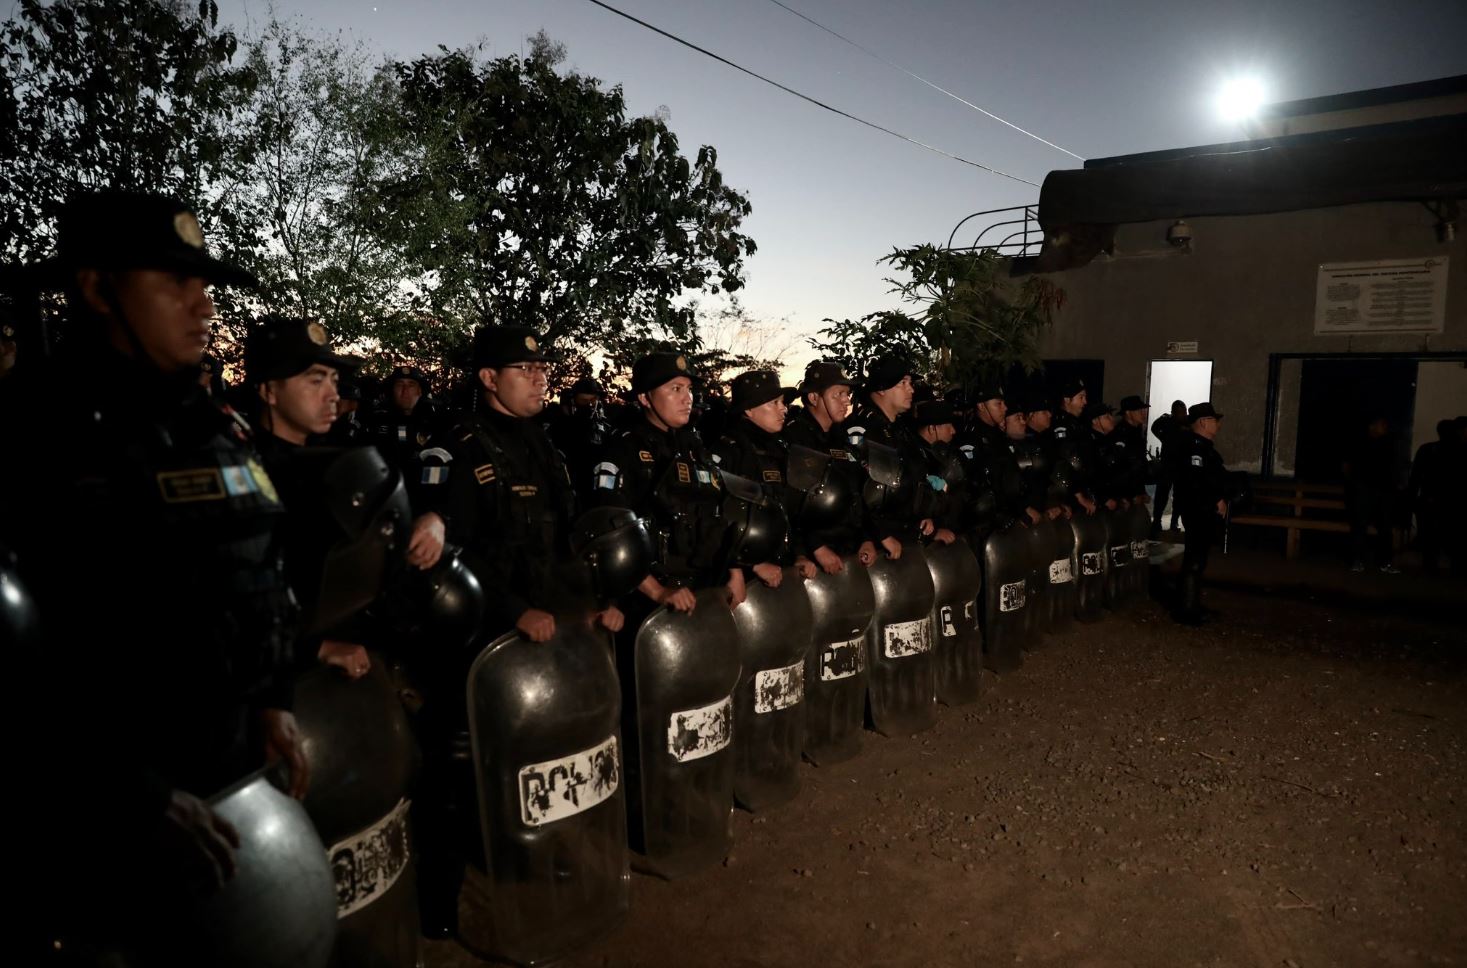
{"x": 841, "y": 608}
{"x": 1139, "y": 519}
{"x": 769, "y": 714}
{"x": 957, "y": 643}
{"x": 1038, "y": 545}
{"x": 1060, "y": 595}
{"x": 677, "y": 698}
{"x": 1090, "y": 552}
{"x": 1117, "y": 557}
{"x": 362, "y": 758}
{"x": 545, "y": 720}
{"x": 1006, "y": 579}
{"x": 279, "y": 909}
{"x": 902, "y": 676}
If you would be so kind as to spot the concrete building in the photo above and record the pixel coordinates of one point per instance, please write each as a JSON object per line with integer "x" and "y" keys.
{"x": 1320, "y": 269}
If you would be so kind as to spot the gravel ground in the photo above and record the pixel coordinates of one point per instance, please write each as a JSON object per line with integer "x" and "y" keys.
{"x": 1281, "y": 788}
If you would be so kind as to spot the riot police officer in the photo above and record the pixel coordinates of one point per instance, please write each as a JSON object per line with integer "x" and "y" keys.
{"x": 1202, "y": 490}
{"x": 751, "y": 447}
{"x": 579, "y": 429}
{"x": 816, "y": 424}
{"x": 1112, "y": 468}
{"x": 152, "y": 523}
{"x": 511, "y": 501}
{"x": 934, "y": 421}
{"x": 348, "y": 428}
{"x": 660, "y": 469}
{"x": 404, "y": 430}
{"x": 994, "y": 460}
{"x": 888, "y": 393}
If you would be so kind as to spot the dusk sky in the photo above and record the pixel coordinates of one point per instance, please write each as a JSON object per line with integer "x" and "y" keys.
{"x": 831, "y": 197}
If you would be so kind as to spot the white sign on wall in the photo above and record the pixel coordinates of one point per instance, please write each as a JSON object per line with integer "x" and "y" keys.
{"x": 1384, "y": 296}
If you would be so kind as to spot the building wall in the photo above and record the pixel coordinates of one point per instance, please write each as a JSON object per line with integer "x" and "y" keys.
{"x": 1246, "y": 290}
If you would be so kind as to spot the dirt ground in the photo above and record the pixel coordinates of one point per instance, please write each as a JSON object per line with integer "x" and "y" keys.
{"x": 1282, "y": 788}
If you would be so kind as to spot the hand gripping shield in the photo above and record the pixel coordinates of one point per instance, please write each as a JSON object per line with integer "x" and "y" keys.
{"x": 902, "y": 676}
{"x": 774, "y": 626}
{"x": 842, "y": 607}
{"x": 545, "y": 720}
{"x": 957, "y": 642}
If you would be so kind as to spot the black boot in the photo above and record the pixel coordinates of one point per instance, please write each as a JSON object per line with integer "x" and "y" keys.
{"x": 1189, "y": 608}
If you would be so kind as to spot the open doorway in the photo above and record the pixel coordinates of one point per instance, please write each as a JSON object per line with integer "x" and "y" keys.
{"x": 1187, "y": 380}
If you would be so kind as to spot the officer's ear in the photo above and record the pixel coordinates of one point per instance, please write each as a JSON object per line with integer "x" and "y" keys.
{"x": 489, "y": 379}
{"x": 645, "y": 401}
{"x": 89, "y": 285}
{"x": 267, "y": 393}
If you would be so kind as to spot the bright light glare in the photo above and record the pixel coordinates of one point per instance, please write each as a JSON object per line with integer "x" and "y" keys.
{"x": 1240, "y": 99}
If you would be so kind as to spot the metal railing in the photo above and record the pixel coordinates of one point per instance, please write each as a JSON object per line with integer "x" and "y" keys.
{"x": 1018, "y": 235}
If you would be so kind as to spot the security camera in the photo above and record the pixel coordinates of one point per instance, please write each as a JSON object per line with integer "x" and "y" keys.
{"x": 1180, "y": 235}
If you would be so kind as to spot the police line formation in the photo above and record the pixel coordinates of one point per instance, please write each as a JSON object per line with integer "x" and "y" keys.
{"x": 316, "y": 679}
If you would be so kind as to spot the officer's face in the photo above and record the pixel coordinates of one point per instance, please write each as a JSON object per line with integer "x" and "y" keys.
{"x": 303, "y": 405}
{"x": 837, "y": 402}
{"x": 405, "y": 394}
{"x": 1016, "y": 425}
{"x": 1104, "y": 423}
{"x": 768, "y": 417}
{"x": 1137, "y": 418}
{"x": 671, "y": 404}
{"x": 898, "y": 397}
{"x": 1039, "y": 420}
{"x": 584, "y": 402}
{"x": 1074, "y": 405}
{"x": 167, "y": 312}
{"x": 994, "y": 411}
{"x": 1205, "y": 427}
{"x": 944, "y": 433}
{"x": 518, "y": 389}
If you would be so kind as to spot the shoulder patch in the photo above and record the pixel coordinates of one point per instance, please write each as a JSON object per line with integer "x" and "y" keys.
{"x": 684, "y": 473}
{"x": 645, "y": 455}
{"x": 773, "y": 477}
{"x": 604, "y": 476}
{"x": 1196, "y": 460}
{"x": 484, "y": 473}
{"x": 1061, "y": 432}
{"x": 855, "y": 435}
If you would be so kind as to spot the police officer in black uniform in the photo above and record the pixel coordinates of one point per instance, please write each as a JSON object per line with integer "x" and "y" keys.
{"x": 994, "y": 460}
{"x": 147, "y": 539}
{"x": 816, "y": 425}
{"x": 579, "y": 429}
{"x": 1203, "y": 487}
{"x": 405, "y": 429}
{"x": 510, "y": 500}
{"x": 349, "y": 430}
{"x": 1072, "y": 436}
{"x": 943, "y": 468}
{"x": 888, "y": 394}
{"x": 660, "y": 469}
{"x": 1110, "y": 483}
{"x": 752, "y": 447}
{"x": 1129, "y": 439}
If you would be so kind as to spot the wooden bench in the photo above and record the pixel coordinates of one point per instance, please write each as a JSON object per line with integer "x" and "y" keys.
{"x": 1298, "y": 496}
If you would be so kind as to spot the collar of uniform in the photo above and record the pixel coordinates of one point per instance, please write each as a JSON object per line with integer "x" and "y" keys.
{"x": 757, "y": 435}
{"x": 120, "y": 379}
{"x": 504, "y": 422}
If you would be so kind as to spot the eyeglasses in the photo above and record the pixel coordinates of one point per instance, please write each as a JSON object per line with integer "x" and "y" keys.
{"x": 528, "y": 369}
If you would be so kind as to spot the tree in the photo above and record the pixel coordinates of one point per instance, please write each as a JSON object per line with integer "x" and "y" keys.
{"x": 969, "y": 318}
{"x": 531, "y": 197}
{"x": 321, "y": 130}
{"x": 132, "y": 94}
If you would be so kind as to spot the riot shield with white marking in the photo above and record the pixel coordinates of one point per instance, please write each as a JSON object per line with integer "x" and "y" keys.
{"x": 902, "y": 676}
{"x": 677, "y": 694}
{"x": 1090, "y": 552}
{"x": 1139, "y": 518}
{"x": 362, "y": 756}
{"x": 769, "y": 714}
{"x": 1117, "y": 557}
{"x": 957, "y": 642}
{"x": 545, "y": 722}
{"x": 1060, "y": 595}
{"x": 279, "y": 908}
{"x": 1006, "y": 578}
{"x": 1038, "y": 544}
{"x": 841, "y": 607}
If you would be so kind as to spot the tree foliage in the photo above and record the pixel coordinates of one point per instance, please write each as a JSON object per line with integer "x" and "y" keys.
{"x": 532, "y": 198}
{"x": 965, "y": 317}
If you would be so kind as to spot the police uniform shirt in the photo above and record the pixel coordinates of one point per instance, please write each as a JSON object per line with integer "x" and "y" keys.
{"x": 897, "y": 517}
{"x": 146, "y": 536}
{"x": 580, "y": 436}
{"x": 1201, "y": 479}
{"x": 509, "y": 500}
{"x": 993, "y": 458}
{"x": 668, "y": 478}
{"x": 759, "y": 456}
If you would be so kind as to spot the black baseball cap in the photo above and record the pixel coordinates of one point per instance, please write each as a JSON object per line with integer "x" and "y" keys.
{"x": 407, "y": 371}
{"x": 279, "y": 349}
{"x": 1069, "y": 387}
{"x": 821, "y": 375}
{"x": 754, "y": 389}
{"x": 496, "y": 346}
{"x": 932, "y": 413}
{"x": 586, "y": 385}
{"x": 1199, "y": 410}
{"x": 655, "y": 369}
{"x": 120, "y": 231}
{"x": 1132, "y": 402}
{"x": 986, "y": 390}
{"x": 886, "y": 372}
{"x": 1096, "y": 409}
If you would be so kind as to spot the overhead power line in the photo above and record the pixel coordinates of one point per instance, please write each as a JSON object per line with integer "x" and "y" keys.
{"x": 871, "y": 53}
{"x": 805, "y": 97}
